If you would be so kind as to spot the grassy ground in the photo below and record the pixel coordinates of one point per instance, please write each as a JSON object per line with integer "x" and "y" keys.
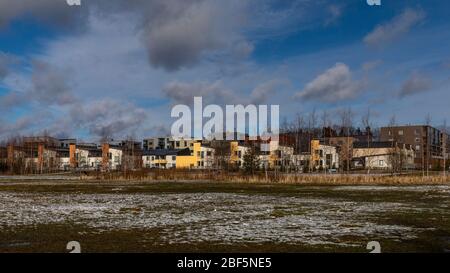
{"x": 420, "y": 224}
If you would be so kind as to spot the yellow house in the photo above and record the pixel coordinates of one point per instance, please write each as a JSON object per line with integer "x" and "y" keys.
{"x": 315, "y": 152}
{"x": 237, "y": 153}
{"x": 189, "y": 161}
{"x": 201, "y": 157}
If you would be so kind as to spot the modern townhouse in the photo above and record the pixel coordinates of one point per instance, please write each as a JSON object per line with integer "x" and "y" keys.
{"x": 201, "y": 157}
{"x": 323, "y": 156}
{"x": 162, "y": 158}
{"x": 167, "y": 143}
{"x": 237, "y": 153}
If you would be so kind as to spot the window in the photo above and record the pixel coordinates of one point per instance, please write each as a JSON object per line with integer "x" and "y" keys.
{"x": 174, "y": 158}
{"x": 381, "y": 163}
{"x": 417, "y": 139}
{"x": 417, "y": 147}
{"x": 400, "y": 133}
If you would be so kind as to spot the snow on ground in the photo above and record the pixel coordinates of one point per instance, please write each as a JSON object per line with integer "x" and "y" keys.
{"x": 216, "y": 217}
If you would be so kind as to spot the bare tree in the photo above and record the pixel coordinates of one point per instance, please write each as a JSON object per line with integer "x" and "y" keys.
{"x": 397, "y": 158}
{"x": 428, "y": 119}
{"x": 251, "y": 162}
{"x": 346, "y": 118}
{"x": 312, "y": 122}
{"x": 393, "y": 121}
{"x": 366, "y": 122}
{"x": 299, "y": 125}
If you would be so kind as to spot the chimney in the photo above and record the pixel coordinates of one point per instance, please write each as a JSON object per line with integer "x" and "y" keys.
{"x": 105, "y": 156}
{"x": 72, "y": 159}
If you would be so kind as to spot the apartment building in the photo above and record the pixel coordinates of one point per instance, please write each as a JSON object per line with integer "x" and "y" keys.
{"x": 323, "y": 156}
{"x": 167, "y": 143}
{"x": 162, "y": 158}
{"x": 237, "y": 153}
{"x": 88, "y": 156}
{"x": 383, "y": 155}
{"x": 344, "y": 148}
{"x": 201, "y": 157}
{"x": 428, "y": 143}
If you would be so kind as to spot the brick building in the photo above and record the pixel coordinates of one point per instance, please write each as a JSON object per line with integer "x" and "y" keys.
{"x": 428, "y": 143}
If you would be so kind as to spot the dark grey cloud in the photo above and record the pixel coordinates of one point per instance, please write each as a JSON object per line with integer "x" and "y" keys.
{"x": 178, "y": 33}
{"x": 417, "y": 83}
{"x": 334, "y": 85}
{"x": 398, "y": 26}
{"x": 107, "y": 117}
{"x": 50, "y": 85}
{"x": 56, "y": 12}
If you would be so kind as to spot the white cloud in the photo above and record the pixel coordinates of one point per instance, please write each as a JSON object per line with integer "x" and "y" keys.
{"x": 395, "y": 28}
{"x": 335, "y": 84}
{"x": 267, "y": 90}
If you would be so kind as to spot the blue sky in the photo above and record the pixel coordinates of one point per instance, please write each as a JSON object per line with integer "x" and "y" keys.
{"x": 115, "y": 68}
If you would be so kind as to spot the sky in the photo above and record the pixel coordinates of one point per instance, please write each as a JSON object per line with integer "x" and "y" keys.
{"x": 116, "y": 68}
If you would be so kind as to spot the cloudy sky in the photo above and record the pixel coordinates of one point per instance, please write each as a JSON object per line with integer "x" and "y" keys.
{"x": 116, "y": 67}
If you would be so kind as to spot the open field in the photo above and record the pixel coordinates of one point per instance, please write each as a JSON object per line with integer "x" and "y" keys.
{"x": 113, "y": 216}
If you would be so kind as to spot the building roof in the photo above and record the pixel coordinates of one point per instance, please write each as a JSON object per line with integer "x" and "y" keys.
{"x": 373, "y": 144}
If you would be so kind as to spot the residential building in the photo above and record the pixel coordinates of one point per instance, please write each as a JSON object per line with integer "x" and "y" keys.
{"x": 323, "y": 156}
{"x": 384, "y": 155}
{"x": 301, "y": 162}
{"x": 111, "y": 157}
{"x": 167, "y": 143}
{"x": 344, "y": 146}
{"x": 65, "y": 142}
{"x": 428, "y": 143}
{"x": 237, "y": 153}
{"x": 201, "y": 156}
{"x": 88, "y": 156}
{"x": 162, "y": 158}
